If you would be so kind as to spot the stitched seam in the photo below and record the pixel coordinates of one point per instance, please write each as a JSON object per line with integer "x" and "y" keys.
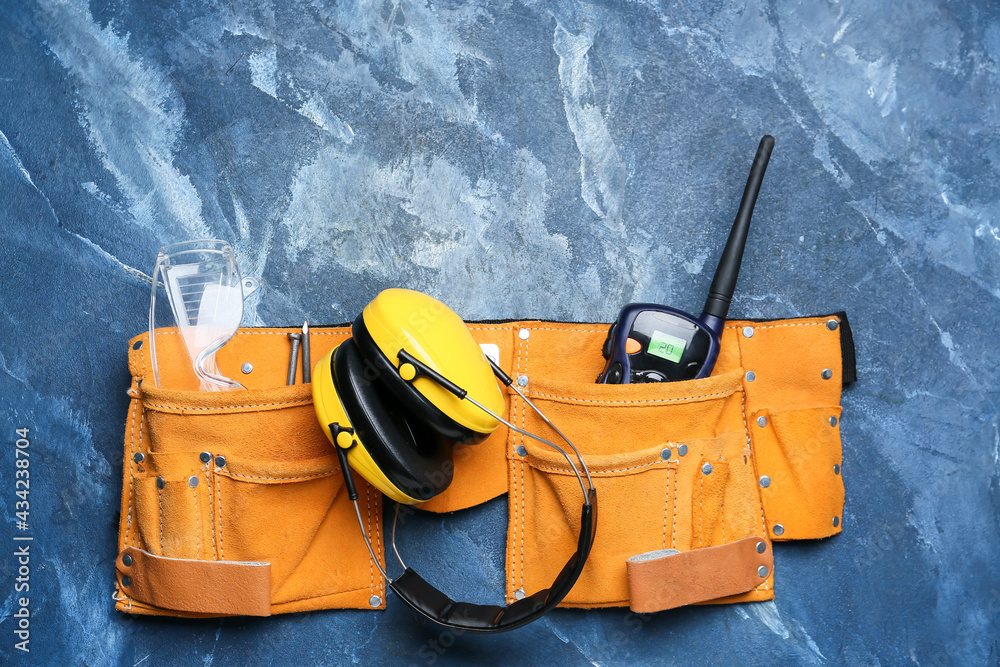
{"x": 322, "y": 474}
{"x": 139, "y": 539}
{"x": 777, "y": 326}
{"x": 511, "y": 327}
{"x": 658, "y": 401}
{"x": 566, "y": 330}
{"x": 666, "y": 506}
{"x": 515, "y": 460}
{"x": 378, "y": 541}
{"x": 502, "y": 327}
{"x": 211, "y": 513}
{"x": 673, "y": 529}
{"x": 155, "y": 406}
{"x": 312, "y": 332}
{"x": 131, "y": 475}
{"x": 513, "y": 542}
{"x": 701, "y": 510}
{"x": 746, "y": 424}
{"x": 524, "y": 412}
{"x": 197, "y": 522}
{"x": 159, "y": 495}
{"x": 218, "y": 499}
{"x": 371, "y": 567}
{"x": 722, "y": 515}
{"x": 602, "y": 472}
{"x": 124, "y": 598}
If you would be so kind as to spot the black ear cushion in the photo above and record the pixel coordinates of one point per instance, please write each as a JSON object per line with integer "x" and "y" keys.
{"x": 410, "y": 455}
{"x": 415, "y": 402}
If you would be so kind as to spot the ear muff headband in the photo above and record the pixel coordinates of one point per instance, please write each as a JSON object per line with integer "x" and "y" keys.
{"x": 434, "y": 605}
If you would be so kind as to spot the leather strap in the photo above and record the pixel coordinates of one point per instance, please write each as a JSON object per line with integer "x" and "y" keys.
{"x": 199, "y": 586}
{"x": 668, "y": 578}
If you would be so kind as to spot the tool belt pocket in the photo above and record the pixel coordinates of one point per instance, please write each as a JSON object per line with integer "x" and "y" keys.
{"x": 225, "y": 483}
{"x": 799, "y": 454}
{"x": 673, "y": 467}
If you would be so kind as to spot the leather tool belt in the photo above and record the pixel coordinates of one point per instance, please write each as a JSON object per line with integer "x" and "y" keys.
{"x": 232, "y": 501}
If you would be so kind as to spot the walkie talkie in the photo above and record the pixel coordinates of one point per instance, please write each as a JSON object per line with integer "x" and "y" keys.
{"x": 653, "y": 343}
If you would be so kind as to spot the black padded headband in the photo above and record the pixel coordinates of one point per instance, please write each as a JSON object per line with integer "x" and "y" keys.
{"x": 434, "y": 605}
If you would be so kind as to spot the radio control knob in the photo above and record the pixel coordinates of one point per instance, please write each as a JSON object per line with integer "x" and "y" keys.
{"x": 615, "y": 374}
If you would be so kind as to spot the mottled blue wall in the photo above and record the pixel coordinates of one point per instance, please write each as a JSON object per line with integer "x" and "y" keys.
{"x": 517, "y": 159}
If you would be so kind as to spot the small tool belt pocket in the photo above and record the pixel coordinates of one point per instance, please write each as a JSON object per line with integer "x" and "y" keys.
{"x": 799, "y": 452}
{"x": 234, "y": 505}
{"x": 673, "y": 467}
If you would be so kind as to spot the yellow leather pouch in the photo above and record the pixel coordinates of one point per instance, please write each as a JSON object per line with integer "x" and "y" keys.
{"x": 751, "y": 453}
{"x": 232, "y": 501}
{"x": 219, "y": 485}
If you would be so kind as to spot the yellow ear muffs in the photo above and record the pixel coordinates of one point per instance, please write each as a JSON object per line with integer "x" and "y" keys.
{"x": 399, "y": 319}
{"x": 385, "y": 444}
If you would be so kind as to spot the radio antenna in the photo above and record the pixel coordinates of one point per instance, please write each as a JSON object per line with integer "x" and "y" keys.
{"x": 724, "y": 282}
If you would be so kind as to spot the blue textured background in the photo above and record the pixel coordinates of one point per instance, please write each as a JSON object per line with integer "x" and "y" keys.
{"x": 518, "y": 159}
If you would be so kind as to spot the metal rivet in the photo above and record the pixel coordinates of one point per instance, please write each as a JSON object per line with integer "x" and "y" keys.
{"x": 160, "y": 483}
{"x": 374, "y": 601}
{"x": 765, "y": 481}
{"x": 192, "y": 481}
{"x": 761, "y": 547}
{"x": 836, "y": 468}
{"x": 523, "y": 334}
{"x": 666, "y": 454}
{"x": 126, "y": 581}
{"x": 247, "y": 368}
{"x": 778, "y": 529}
{"x": 707, "y": 469}
{"x": 519, "y": 593}
{"x": 762, "y": 571}
{"x": 762, "y": 421}
{"x": 682, "y": 450}
{"x": 748, "y": 332}
{"x": 205, "y": 457}
{"x": 750, "y": 376}
{"x": 836, "y": 521}
{"x": 521, "y": 451}
{"x": 522, "y": 380}
{"x": 220, "y": 461}
{"x": 827, "y": 374}
{"x": 832, "y": 325}
{"x": 139, "y": 457}
{"x": 833, "y": 420}
{"x": 127, "y": 560}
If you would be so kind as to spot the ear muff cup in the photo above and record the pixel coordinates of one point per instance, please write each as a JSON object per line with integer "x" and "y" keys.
{"x": 411, "y": 456}
{"x": 415, "y": 402}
